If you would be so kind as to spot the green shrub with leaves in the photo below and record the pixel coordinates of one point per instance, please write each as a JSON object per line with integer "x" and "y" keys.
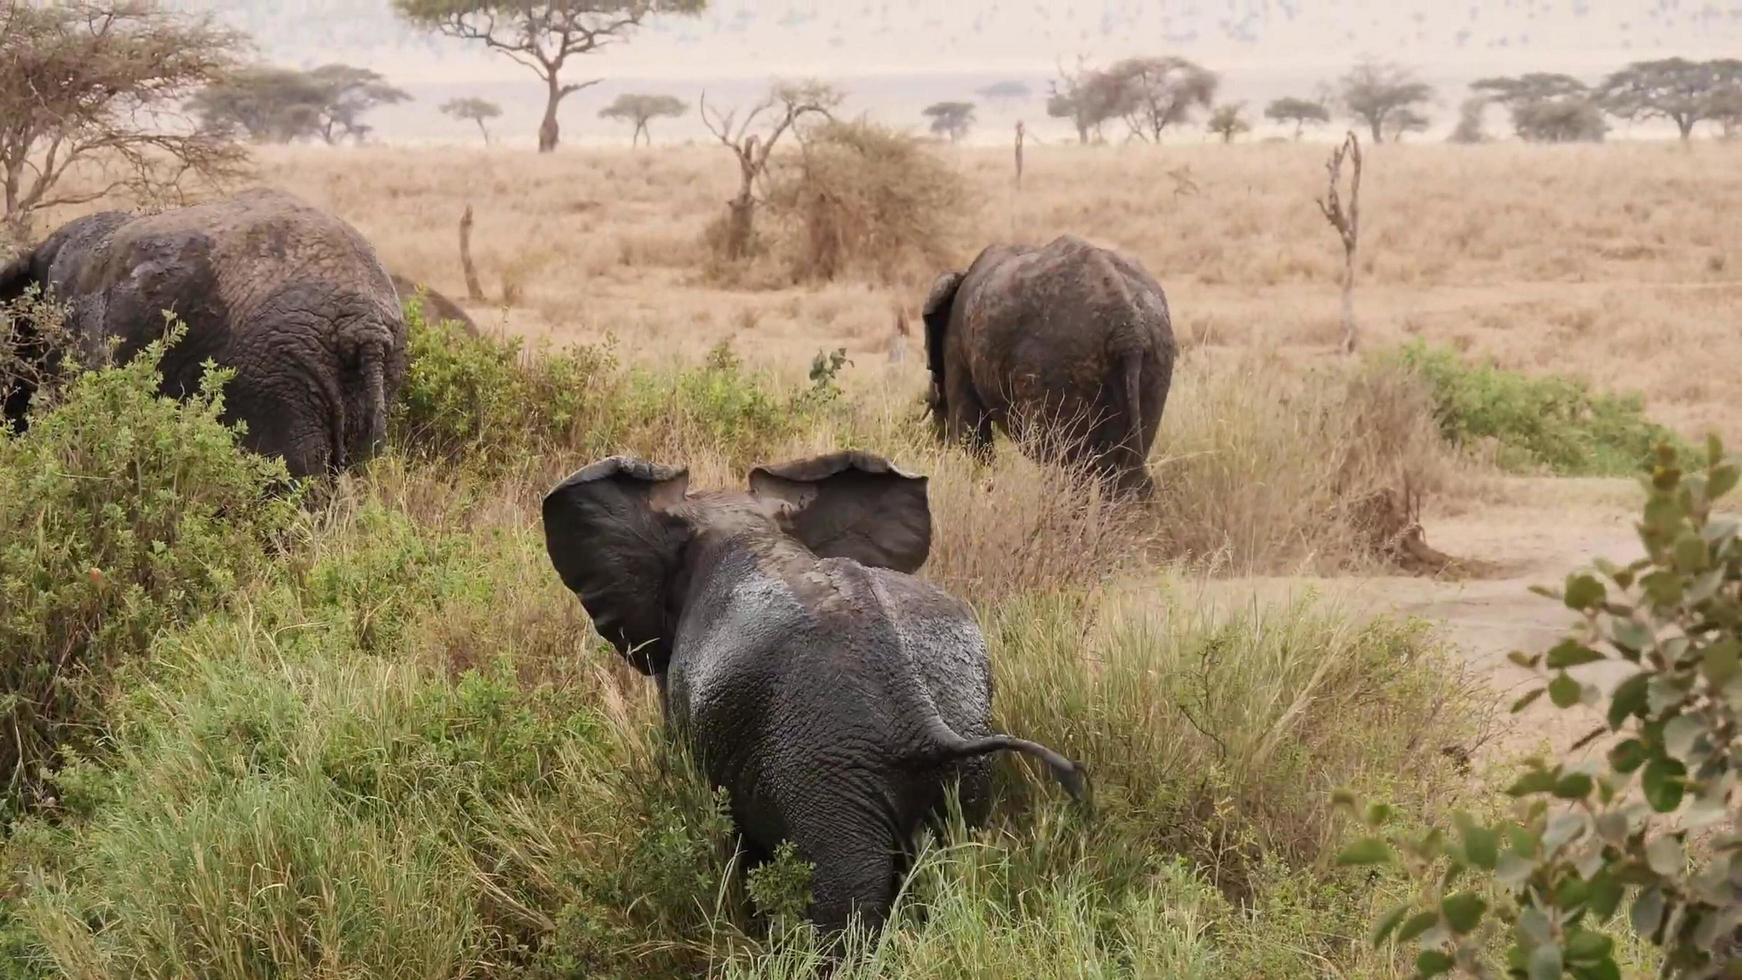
{"x": 1535, "y": 423}
{"x": 1652, "y": 826}
{"x": 492, "y": 401}
{"x": 122, "y": 513}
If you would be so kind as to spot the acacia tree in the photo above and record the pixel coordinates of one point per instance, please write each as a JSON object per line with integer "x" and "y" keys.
{"x": 1301, "y": 112}
{"x": 346, "y": 94}
{"x": 1681, "y": 91}
{"x": 1087, "y": 97}
{"x": 1469, "y": 128}
{"x": 97, "y": 85}
{"x": 278, "y": 105}
{"x": 638, "y": 109}
{"x": 1229, "y": 121}
{"x": 1546, "y": 107}
{"x": 752, "y": 139}
{"x": 473, "y": 108}
{"x": 1375, "y": 92}
{"x": 952, "y": 119}
{"x": 1155, "y": 93}
{"x": 542, "y": 35}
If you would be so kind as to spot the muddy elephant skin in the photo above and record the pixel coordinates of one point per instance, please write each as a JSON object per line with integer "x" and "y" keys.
{"x": 290, "y": 298}
{"x": 835, "y": 696}
{"x": 1068, "y": 347}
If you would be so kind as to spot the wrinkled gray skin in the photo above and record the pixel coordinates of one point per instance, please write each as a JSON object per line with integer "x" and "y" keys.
{"x": 290, "y": 297}
{"x": 831, "y": 693}
{"x": 1067, "y": 347}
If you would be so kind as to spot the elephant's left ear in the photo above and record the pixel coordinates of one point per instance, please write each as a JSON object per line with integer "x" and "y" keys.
{"x": 852, "y": 505}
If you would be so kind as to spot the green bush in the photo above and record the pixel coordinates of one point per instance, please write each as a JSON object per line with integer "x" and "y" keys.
{"x": 121, "y": 514}
{"x": 1536, "y": 423}
{"x": 491, "y": 401}
{"x": 1652, "y": 825}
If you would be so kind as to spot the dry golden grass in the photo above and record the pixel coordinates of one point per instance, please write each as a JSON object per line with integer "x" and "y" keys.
{"x": 1620, "y": 263}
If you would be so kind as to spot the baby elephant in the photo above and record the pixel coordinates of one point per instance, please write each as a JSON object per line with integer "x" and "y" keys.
{"x": 834, "y": 695}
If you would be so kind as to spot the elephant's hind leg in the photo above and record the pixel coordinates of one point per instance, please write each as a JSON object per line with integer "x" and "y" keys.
{"x": 853, "y": 881}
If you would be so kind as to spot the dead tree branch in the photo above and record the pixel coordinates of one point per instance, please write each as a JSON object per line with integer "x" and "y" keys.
{"x": 1347, "y": 223}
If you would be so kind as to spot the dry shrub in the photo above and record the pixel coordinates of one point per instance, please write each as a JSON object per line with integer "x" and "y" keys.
{"x": 864, "y": 199}
{"x": 1267, "y": 469}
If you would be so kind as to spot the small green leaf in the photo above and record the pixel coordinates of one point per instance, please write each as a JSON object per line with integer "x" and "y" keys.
{"x": 1388, "y": 924}
{"x": 1629, "y": 699}
{"x": 1463, "y": 911}
{"x": 1690, "y": 554}
{"x": 1512, "y": 870}
{"x": 1564, "y": 691}
{"x": 1432, "y": 963}
{"x": 1526, "y": 660}
{"x": 1647, "y": 913}
{"x": 1545, "y": 962}
{"x": 1366, "y": 851}
{"x": 1571, "y": 653}
{"x": 1631, "y": 635}
{"x": 1606, "y": 892}
{"x": 1573, "y": 786}
{"x": 1662, "y": 781}
{"x": 1723, "y": 480}
{"x": 1587, "y": 947}
{"x": 1720, "y": 661}
{"x": 1528, "y": 699}
{"x": 1417, "y": 924}
{"x": 1532, "y": 782}
{"x": 1680, "y": 735}
{"x": 1584, "y": 592}
{"x": 1628, "y": 756}
{"x": 1482, "y": 847}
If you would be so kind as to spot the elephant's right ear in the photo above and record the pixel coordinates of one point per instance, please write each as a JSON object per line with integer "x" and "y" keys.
{"x": 936, "y": 314}
{"x": 613, "y": 539}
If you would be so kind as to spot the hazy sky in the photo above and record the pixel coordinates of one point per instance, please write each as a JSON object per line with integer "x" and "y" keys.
{"x": 760, "y": 37}
{"x": 896, "y": 56}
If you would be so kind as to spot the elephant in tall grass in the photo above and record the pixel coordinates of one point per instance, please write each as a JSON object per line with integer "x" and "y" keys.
{"x": 835, "y": 696}
{"x": 290, "y": 298}
{"x": 1068, "y": 347}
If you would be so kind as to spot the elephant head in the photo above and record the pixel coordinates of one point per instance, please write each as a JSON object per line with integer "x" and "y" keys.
{"x": 627, "y": 537}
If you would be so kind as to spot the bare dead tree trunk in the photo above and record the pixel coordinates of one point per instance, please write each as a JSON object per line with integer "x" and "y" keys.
{"x": 474, "y": 289}
{"x": 1347, "y": 222}
{"x": 486, "y": 132}
{"x": 1021, "y": 132}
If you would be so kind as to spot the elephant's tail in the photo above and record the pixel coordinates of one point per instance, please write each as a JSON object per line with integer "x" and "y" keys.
{"x": 375, "y": 387}
{"x": 1071, "y": 775}
{"x": 1133, "y": 363}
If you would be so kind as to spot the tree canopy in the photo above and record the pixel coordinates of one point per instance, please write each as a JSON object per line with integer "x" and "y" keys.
{"x": 1298, "y": 111}
{"x": 952, "y": 119}
{"x": 1155, "y": 93}
{"x": 99, "y": 85}
{"x": 1008, "y": 91}
{"x": 639, "y": 108}
{"x": 542, "y": 35}
{"x": 1684, "y": 92}
{"x": 1087, "y": 97}
{"x": 1229, "y": 121}
{"x": 476, "y": 109}
{"x": 1377, "y": 92}
{"x": 279, "y": 105}
{"x": 1546, "y": 107}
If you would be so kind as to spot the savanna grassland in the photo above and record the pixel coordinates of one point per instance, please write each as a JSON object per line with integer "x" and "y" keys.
{"x": 361, "y": 729}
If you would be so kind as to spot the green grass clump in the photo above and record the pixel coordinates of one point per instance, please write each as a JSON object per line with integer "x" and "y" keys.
{"x": 1536, "y": 422}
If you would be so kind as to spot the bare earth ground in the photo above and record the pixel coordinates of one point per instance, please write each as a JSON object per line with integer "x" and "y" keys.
{"x": 1620, "y": 264}
{"x": 1535, "y": 531}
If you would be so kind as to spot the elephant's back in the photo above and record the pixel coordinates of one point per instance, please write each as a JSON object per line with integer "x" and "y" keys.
{"x": 1052, "y": 324}
{"x": 256, "y": 245}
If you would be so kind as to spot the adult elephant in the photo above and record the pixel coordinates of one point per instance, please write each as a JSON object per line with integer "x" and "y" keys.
{"x": 1069, "y": 348}
{"x": 833, "y": 695}
{"x": 290, "y": 298}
